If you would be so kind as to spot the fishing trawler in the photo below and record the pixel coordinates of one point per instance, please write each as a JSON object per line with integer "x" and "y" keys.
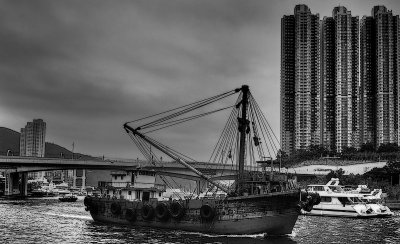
{"x": 250, "y": 200}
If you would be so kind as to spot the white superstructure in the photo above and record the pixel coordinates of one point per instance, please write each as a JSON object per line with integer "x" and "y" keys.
{"x": 335, "y": 201}
{"x": 134, "y": 185}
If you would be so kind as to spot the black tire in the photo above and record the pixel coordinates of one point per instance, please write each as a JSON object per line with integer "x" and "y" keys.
{"x": 177, "y": 210}
{"x": 308, "y": 207}
{"x": 130, "y": 215}
{"x": 102, "y": 207}
{"x": 207, "y": 212}
{"x": 94, "y": 208}
{"x": 87, "y": 201}
{"x": 147, "y": 212}
{"x": 162, "y": 212}
{"x": 316, "y": 199}
{"x": 303, "y": 195}
{"x": 115, "y": 208}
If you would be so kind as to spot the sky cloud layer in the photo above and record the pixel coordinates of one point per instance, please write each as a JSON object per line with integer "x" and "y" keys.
{"x": 86, "y": 67}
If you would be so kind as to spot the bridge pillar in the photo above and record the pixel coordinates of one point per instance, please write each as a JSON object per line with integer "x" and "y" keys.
{"x": 16, "y": 184}
{"x": 23, "y": 184}
{"x": 11, "y": 184}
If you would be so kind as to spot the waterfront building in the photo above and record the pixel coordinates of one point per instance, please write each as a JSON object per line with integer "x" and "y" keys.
{"x": 327, "y": 97}
{"x": 346, "y": 77}
{"x": 32, "y": 143}
{"x": 328, "y": 84}
{"x": 367, "y": 81}
{"x": 32, "y": 140}
{"x": 339, "y": 80}
{"x": 79, "y": 179}
{"x": 300, "y": 92}
{"x": 379, "y": 53}
{"x": 287, "y": 110}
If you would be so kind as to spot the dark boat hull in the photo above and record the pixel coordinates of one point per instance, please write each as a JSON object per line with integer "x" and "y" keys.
{"x": 69, "y": 199}
{"x": 274, "y": 214}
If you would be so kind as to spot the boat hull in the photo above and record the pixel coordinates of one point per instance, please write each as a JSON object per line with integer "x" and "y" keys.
{"x": 273, "y": 225}
{"x": 274, "y": 214}
{"x": 68, "y": 199}
{"x": 348, "y": 211}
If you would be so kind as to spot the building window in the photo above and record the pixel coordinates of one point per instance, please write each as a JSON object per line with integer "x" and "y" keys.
{"x": 129, "y": 193}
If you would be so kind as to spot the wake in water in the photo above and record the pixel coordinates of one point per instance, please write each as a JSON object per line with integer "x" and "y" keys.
{"x": 69, "y": 216}
{"x": 236, "y": 239}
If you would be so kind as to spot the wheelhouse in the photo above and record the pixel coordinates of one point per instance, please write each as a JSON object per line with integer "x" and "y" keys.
{"x": 134, "y": 185}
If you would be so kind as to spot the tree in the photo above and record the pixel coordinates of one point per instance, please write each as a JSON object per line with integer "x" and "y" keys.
{"x": 349, "y": 150}
{"x": 281, "y": 155}
{"x": 335, "y": 174}
{"x": 367, "y": 147}
{"x": 388, "y": 147}
{"x": 393, "y": 167}
{"x": 352, "y": 179}
{"x": 318, "y": 150}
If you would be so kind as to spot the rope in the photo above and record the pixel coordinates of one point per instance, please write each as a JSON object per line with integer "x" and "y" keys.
{"x": 226, "y": 150}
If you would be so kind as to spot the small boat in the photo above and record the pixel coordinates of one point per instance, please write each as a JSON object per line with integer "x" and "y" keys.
{"x": 68, "y": 198}
{"x": 335, "y": 201}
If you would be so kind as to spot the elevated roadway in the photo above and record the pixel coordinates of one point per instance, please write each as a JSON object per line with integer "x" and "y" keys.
{"x": 18, "y": 164}
{"x": 16, "y": 168}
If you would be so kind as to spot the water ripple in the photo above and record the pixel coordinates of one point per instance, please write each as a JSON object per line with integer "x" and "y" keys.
{"x": 50, "y": 221}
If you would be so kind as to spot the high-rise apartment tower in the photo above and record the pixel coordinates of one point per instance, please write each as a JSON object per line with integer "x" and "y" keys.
{"x": 379, "y": 77}
{"x": 328, "y": 84}
{"x": 32, "y": 140}
{"x": 346, "y": 77}
{"x": 300, "y": 70}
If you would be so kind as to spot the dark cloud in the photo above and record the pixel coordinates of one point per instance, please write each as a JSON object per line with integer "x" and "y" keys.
{"x": 86, "y": 67}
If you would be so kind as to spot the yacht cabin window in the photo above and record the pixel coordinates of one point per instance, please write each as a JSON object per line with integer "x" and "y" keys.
{"x": 344, "y": 200}
{"x": 316, "y": 188}
{"x": 336, "y": 188}
{"x": 356, "y": 200}
{"x": 326, "y": 199}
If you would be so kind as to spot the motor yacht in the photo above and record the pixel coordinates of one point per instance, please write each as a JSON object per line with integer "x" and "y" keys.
{"x": 335, "y": 201}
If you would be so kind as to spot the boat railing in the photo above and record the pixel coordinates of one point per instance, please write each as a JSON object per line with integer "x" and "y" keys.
{"x": 105, "y": 184}
{"x": 113, "y": 184}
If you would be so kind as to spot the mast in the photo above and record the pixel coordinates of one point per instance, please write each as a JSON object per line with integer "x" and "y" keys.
{"x": 243, "y": 123}
{"x": 179, "y": 160}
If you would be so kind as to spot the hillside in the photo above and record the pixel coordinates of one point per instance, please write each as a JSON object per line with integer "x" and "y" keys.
{"x": 55, "y": 151}
{"x": 9, "y": 140}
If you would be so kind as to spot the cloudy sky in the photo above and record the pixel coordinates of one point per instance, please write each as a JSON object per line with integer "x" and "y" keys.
{"x": 86, "y": 67}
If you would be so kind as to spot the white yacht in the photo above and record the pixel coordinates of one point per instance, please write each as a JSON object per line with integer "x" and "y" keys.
{"x": 335, "y": 201}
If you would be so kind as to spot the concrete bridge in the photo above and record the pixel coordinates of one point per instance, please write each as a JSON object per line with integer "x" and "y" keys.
{"x": 16, "y": 169}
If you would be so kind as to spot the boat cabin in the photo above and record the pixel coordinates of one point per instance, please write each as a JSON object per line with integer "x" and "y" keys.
{"x": 133, "y": 185}
{"x": 324, "y": 188}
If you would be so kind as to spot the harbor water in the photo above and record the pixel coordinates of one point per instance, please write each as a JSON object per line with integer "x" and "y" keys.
{"x": 47, "y": 220}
